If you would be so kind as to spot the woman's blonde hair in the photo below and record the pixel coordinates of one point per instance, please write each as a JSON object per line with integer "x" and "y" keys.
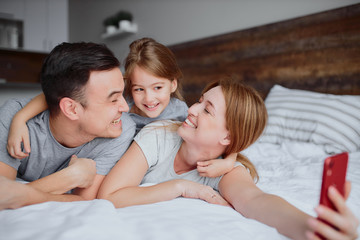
{"x": 154, "y": 58}
{"x": 246, "y": 117}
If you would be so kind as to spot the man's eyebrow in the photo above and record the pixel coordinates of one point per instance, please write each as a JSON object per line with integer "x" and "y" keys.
{"x": 114, "y": 92}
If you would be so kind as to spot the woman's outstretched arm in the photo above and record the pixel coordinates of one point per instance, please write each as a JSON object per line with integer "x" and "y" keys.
{"x": 238, "y": 188}
{"x": 121, "y": 185}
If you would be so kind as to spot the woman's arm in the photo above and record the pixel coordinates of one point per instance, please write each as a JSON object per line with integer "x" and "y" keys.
{"x": 121, "y": 185}
{"x": 238, "y": 188}
{"x": 344, "y": 220}
{"x": 18, "y": 130}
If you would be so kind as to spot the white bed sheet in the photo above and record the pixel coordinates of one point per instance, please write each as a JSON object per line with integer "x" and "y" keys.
{"x": 291, "y": 170}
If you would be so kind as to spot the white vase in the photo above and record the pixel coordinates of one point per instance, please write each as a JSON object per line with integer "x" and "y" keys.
{"x": 124, "y": 24}
{"x": 110, "y": 29}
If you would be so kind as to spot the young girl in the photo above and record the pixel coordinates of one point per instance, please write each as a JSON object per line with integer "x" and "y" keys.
{"x": 153, "y": 92}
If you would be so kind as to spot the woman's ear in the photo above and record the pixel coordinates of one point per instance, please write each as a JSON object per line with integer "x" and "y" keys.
{"x": 225, "y": 140}
{"x": 69, "y": 108}
{"x": 174, "y": 84}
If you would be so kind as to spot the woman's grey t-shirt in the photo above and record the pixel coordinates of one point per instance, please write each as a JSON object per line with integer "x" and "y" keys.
{"x": 176, "y": 110}
{"x": 160, "y": 145}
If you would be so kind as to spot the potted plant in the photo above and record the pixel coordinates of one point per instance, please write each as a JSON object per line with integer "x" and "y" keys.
{"x": 110, "y": 24}
{"x": 124, "y": 19}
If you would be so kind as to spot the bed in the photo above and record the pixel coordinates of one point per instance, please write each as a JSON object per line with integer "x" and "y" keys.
{"x": 311, "y": 115}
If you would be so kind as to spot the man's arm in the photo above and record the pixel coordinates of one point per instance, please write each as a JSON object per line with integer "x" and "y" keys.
{"x": 80, "y": 173}
{"x": 14, "y": 195}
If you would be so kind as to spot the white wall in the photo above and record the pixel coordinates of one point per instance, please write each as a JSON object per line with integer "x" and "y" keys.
{"x": 175, "y": 21}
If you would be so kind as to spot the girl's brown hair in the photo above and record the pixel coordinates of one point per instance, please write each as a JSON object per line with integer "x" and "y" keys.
{"x": 246, "y": 117}
{"x": 154, "y": 58}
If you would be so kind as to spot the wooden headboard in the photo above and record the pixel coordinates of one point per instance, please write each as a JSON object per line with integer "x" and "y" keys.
{"x": 319, "y": 52}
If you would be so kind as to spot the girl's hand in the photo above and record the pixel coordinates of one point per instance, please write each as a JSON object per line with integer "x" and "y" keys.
{"x": 215, "y": 167}
{"x": 344, "y": 222}
{"x": 199, "y": 191}
{"x": 18, "y": 134}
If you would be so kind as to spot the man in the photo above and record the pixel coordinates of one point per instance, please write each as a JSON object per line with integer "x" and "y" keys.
{"x": 86, "y": 124}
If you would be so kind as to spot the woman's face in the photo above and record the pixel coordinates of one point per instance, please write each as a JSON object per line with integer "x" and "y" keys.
{"x": 205, "y": 125}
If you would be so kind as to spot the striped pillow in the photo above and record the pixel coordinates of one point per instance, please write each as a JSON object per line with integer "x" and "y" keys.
{"x": 332, "y": 121}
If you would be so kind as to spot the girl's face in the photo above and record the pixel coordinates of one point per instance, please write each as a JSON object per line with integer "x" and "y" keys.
{"x": 151, "y": 94}
{"x": 205, "y": 125}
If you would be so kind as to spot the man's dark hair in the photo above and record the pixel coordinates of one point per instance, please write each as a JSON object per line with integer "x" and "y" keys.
{"x": 66, "y": 71}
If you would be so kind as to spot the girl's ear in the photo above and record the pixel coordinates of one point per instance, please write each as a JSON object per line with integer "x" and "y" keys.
{"x": 174, "y": 85}
{"x": 69, "y": 108}
{"x": 225, "y": 140}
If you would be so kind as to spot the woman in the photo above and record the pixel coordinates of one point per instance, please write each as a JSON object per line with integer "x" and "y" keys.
{"x": 228, "y": 118}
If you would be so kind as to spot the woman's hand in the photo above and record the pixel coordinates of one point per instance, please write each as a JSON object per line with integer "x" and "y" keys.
{"x": 18, "y": 134}
{"x": 195, "y": 190}
{"x": 344, "y": 222}
{"x": 84, "y": 169}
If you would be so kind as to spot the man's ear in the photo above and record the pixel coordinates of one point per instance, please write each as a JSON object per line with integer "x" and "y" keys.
{"x": 69, "y": 108}
{"x": 225, "y": 140}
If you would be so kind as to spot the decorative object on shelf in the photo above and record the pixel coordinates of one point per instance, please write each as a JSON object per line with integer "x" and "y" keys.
{"x": 11, "y": 33}
{"x": 118, "y": 24}
{"x": 124, "y": 19}
{"x": 110, "y": 24}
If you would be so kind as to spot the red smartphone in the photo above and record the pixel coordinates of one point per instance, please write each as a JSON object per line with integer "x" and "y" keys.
{"x": 334, "y": 174}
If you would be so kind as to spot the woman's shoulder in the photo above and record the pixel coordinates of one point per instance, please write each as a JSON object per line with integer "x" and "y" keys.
{"x": 159, "y": 133}
{"x": 160, "y": 127}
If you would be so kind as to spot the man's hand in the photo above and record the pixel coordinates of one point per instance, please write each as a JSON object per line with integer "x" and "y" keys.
{"x": 84, "y": 169}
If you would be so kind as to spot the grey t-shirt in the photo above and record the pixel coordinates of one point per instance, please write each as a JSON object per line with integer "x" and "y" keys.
{"x": 176, "y": 110}
{"x": 160, "y": 145}
{"x": 48, "y": 156}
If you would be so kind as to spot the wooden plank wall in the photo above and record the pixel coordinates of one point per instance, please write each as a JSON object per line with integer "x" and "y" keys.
{"x": 17, "y": 66}
{"x": 319, "y": 52}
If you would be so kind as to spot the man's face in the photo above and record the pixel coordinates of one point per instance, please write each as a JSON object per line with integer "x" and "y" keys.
{"x": 105, "y": 105}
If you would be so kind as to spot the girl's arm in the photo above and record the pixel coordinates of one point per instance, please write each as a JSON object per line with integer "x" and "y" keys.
{"x": 216, "y": 167}
{"x": 121, "y": 185}
{"x": 18, "y": 130}
{"x": 238, "y": 189}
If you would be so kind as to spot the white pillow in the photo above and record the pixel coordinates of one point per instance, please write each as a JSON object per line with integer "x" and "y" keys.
{"x": 324, "y": 119}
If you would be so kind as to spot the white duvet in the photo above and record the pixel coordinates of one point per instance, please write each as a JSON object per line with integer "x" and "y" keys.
{"x": 292, "y": 171}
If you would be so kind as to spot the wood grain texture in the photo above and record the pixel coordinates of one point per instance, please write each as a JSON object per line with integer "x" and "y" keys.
{"x": 319, "y": 52}
{"x": 20, "y": 66}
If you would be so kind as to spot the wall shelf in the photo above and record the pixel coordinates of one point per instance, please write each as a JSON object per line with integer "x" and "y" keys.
{"x": 121, "y": 32}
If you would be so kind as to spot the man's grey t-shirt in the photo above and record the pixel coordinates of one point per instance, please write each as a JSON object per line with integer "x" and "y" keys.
{"x": 160, "y": 145}
{"x": 176, "y": 110}
{"x": 48, "y": 156}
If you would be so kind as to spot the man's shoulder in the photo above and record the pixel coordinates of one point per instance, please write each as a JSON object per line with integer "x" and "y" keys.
{"x": 11, "y": 107}
{"x": 128, "y": 123}
{"x": 15, "y": 102}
